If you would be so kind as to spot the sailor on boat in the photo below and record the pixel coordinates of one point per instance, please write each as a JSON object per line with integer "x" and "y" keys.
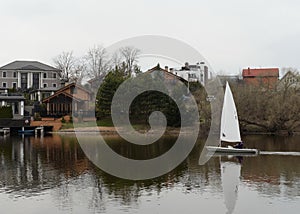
{"x": 239, "y": 145}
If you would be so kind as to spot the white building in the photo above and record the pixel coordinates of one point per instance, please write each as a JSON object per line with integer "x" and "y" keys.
{"x": 193, "y": 73}
{"x": 42, "y": 80}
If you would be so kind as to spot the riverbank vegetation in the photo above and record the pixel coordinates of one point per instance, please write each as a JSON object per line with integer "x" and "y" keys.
{"x": 273, "y": 110}
{"x": 145, "y": 103}
{"x": 260, "y": 109}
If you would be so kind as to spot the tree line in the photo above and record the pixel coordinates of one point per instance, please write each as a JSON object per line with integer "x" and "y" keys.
{"x": 147, "y": 102}
{"x": 268, "y": 109}
{"x": 96, "y": 63}
{"x": 259, "y": 108}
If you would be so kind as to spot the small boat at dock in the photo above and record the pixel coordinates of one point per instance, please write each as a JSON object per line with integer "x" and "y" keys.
{"x": 29, "y": 131}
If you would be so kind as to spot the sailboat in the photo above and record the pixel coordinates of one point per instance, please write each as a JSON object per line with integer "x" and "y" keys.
{"x": 230, "y": 129}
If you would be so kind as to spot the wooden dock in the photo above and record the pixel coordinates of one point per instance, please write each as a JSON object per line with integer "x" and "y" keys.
{"x": 4, "y": 131}
{"x": 39, "y": 130}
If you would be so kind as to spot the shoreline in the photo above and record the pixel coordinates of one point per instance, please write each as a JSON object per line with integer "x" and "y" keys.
{"x": 110, "y": 130}
{"x": 169, "y": 131}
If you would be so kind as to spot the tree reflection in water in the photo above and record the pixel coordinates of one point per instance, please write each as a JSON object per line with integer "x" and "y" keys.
{"x": 55, "y": 165}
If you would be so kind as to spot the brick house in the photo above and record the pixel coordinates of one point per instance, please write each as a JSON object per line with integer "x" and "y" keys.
{"x": 261, "y": 77}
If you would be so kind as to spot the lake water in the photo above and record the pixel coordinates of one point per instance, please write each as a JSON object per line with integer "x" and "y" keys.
{"x": 53, "y": 175}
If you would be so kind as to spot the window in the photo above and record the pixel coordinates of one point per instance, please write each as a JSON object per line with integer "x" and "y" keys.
{"x": 14, "y": 85}
{"x": 45, "y": 85}
{"x": 45, "y": 75}
{"x": 4, "y": 74}
{"x": 16, "y": 108}
{"x": 24, "y": 78}
{"x": 15, "y": 74}
{"x": 193, "y": 75}
{"x": 54, "y": 85}
{"x": 54, "y": 75}
{"x": 35, "y": 80}
{"x": 4, "y": 84}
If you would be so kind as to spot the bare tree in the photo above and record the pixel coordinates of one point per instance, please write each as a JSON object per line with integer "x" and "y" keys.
{"x": 97, "y": 63}
{"x": 130, "y": 57}
{"x": 268, "y": 109}
{"x": 65, "y": 62}
{"x": 116, "y": 60}
{"x": 79, "y": 70}
{"x": 73, "y": 69}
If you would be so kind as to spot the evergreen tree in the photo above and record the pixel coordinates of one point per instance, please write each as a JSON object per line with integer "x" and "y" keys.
{"x": 106, "y": 92}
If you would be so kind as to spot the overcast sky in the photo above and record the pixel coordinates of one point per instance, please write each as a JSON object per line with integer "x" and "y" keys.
{"x": 230, "y": 34}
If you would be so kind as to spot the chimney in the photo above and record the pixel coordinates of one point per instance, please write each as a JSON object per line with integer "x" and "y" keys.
{"x": 248, "y": 71}
{"x": 166, "y": 68}
{"x": 205, "y": 74}
{"x": 186, "y": 65}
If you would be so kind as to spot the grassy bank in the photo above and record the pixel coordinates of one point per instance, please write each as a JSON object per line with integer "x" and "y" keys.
{"x": 107, "y": 125}
{"x": 104, "y": 123}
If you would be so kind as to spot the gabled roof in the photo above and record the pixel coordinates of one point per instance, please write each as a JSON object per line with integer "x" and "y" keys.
{"x": 261, "y": 72}
{"x": 70, "y": 85}
{"x": 28, "y": 65}
{"x": 62, "y": 91}
{"x": 57, "y": 94}
{"x": 290, "y": 74}
{"x": 158, "y": 68}
{"x": 290, "y": 79}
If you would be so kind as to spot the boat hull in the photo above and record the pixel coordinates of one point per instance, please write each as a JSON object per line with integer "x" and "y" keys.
{"x": 25, "y": 131}
{"x": 231, "y": 150}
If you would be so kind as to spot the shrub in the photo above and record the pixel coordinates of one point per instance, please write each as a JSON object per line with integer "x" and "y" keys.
{"x": 37, "y": 116}
{"x": 63, "y": 119}
{"x": 6, "y": 112}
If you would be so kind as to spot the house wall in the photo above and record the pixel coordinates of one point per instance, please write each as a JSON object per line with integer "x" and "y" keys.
{"x": 62, "y": 104}
{"x": 9, "y": 79}
{"x": 290, "y": 80}
{"x": 78, "y": 93}
{"x": 197, "y": 73}
{"x": 269, "y": 82}
{"x": 169, "y": 77}
{"x": 50, "y": 80}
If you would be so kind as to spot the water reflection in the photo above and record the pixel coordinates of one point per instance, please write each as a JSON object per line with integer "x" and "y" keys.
{"x": 55, "y": 169}
{"x": 30, "y": 165}
{"x": 231, "y": 172}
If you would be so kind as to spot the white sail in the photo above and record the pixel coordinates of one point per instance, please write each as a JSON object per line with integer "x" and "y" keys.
{"x": 230, "y": 173}
{"x": 230, "y": 130}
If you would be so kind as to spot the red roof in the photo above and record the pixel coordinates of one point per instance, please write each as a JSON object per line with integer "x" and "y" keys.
{"x": 261, "y": 72}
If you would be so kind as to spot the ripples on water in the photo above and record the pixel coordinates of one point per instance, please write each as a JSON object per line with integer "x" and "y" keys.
{"x": 52, "y": 175}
